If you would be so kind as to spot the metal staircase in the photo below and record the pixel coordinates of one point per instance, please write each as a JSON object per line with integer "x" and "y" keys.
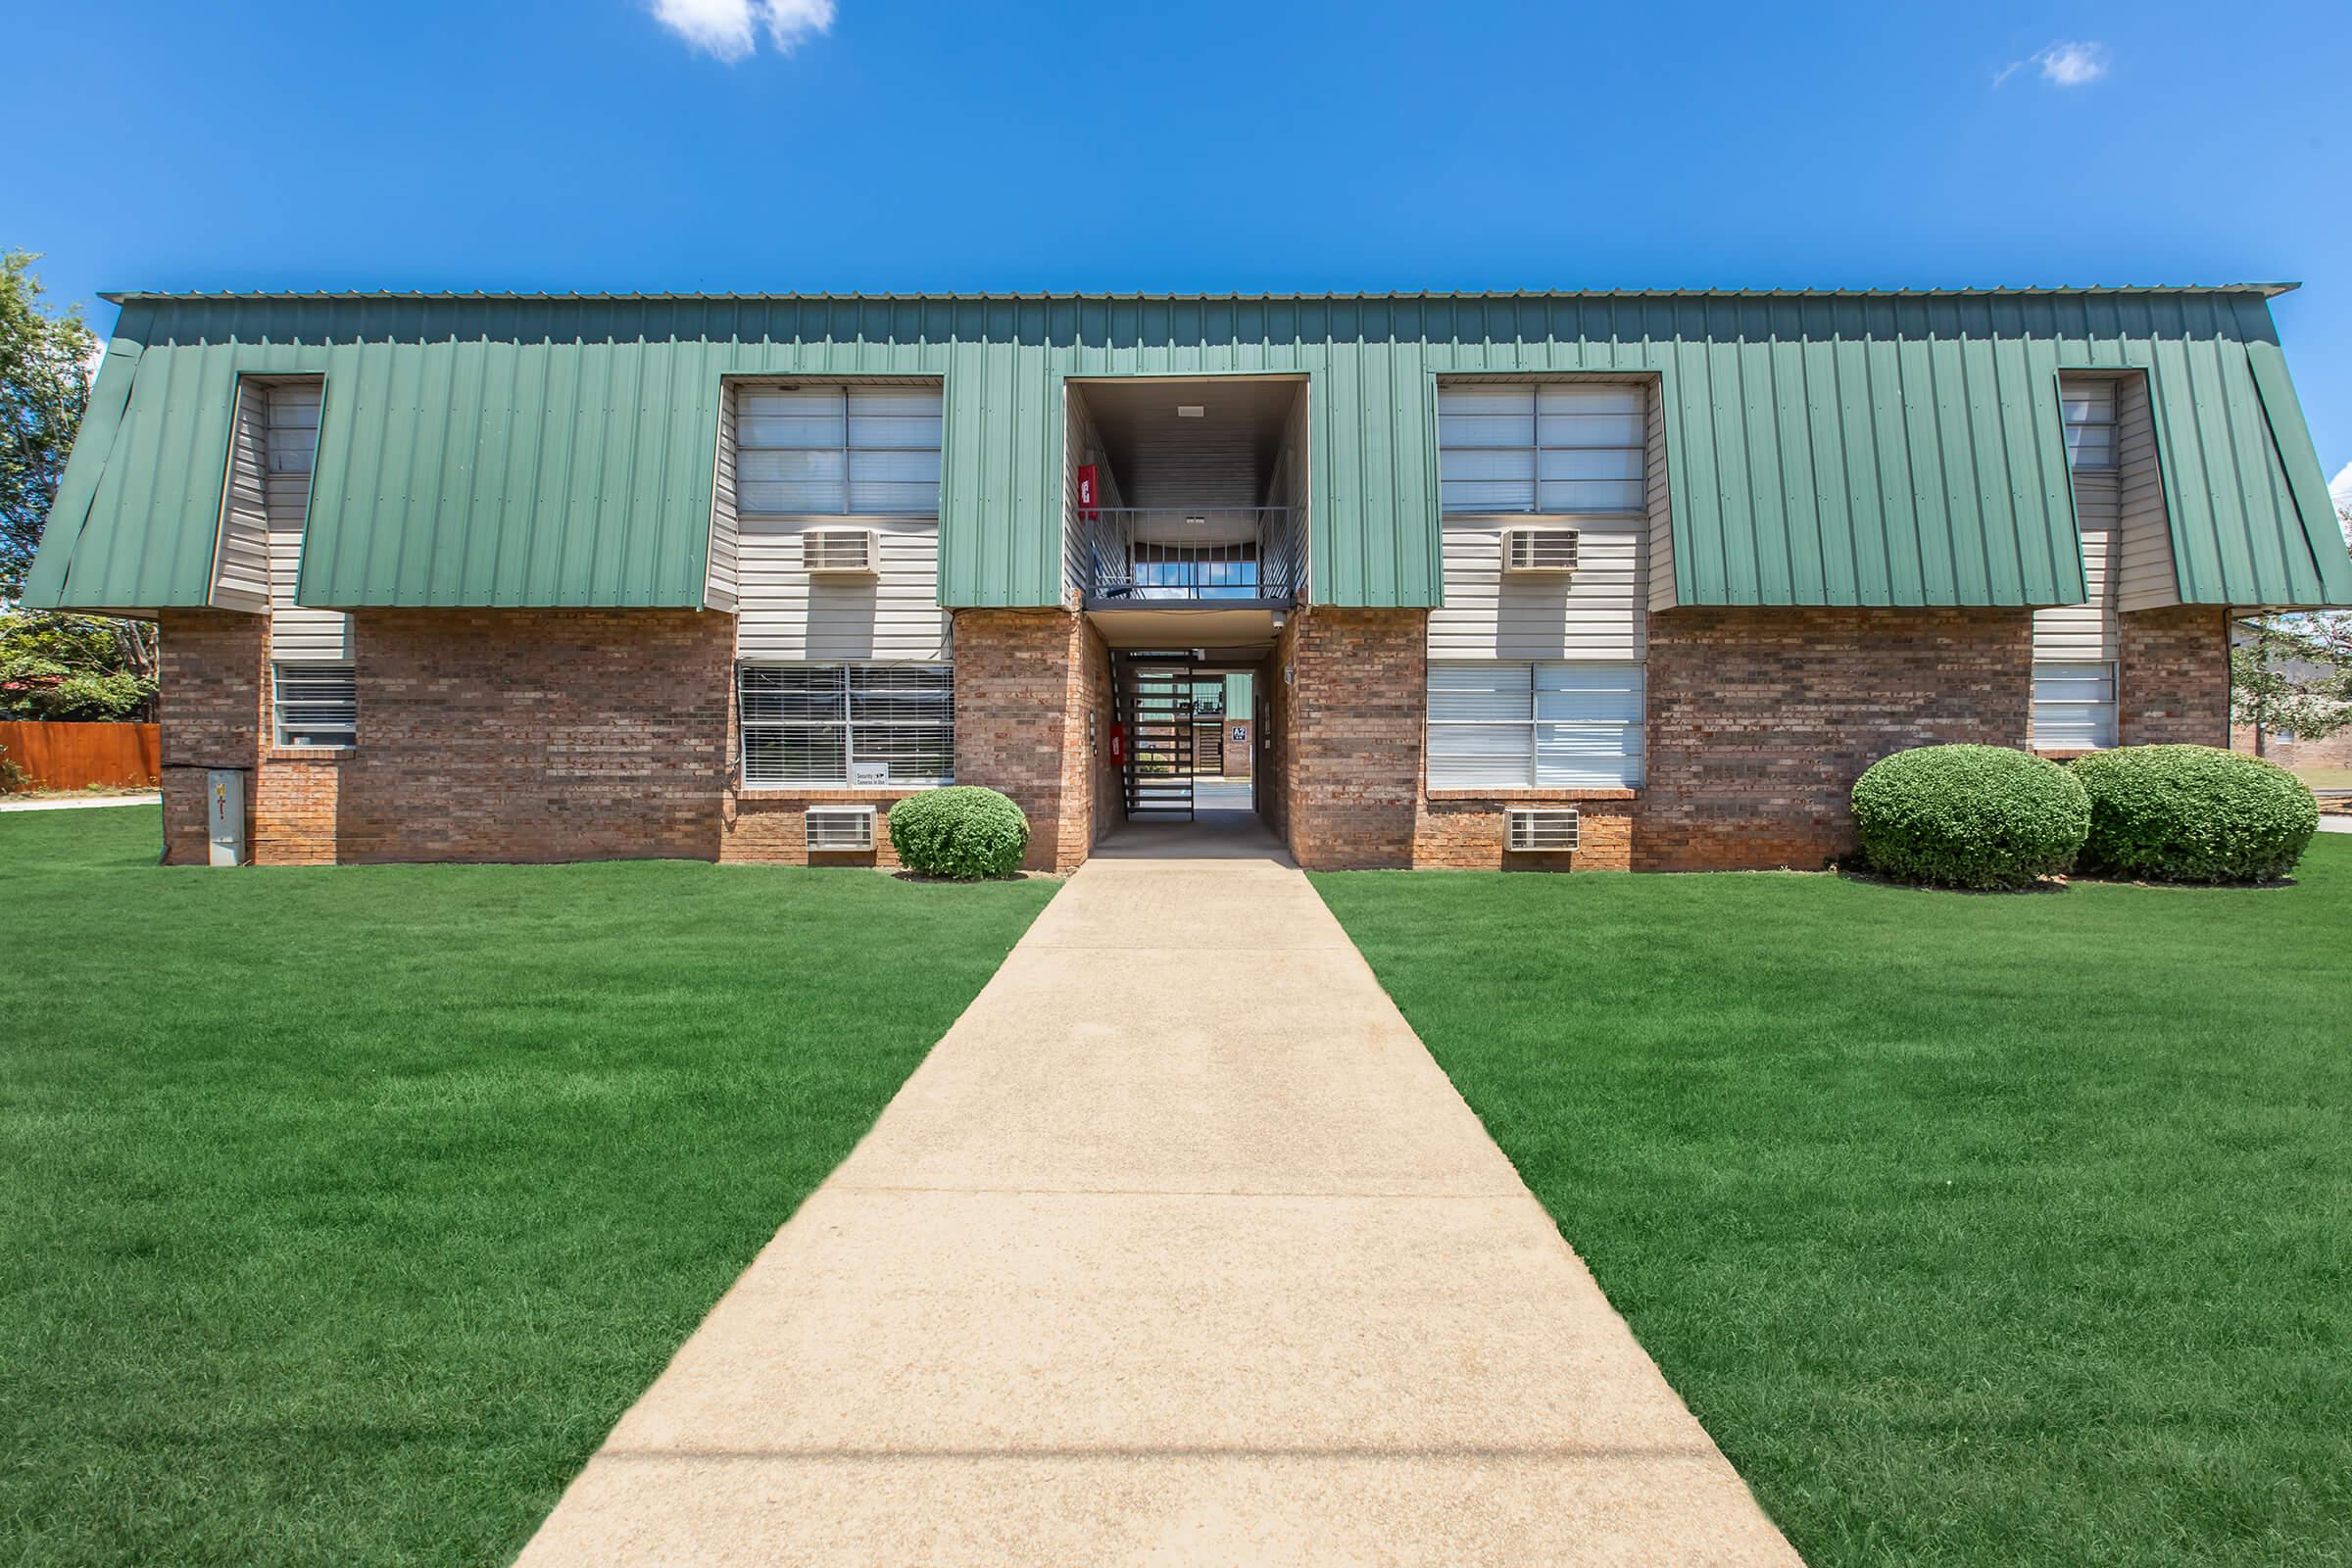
{"x": 1155, "y": 703}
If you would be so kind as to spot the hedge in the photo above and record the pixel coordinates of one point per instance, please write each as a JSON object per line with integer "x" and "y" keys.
{"x": 962, "y": 832}
{"x": 1969, "y": 816}
{"x": 2194, "y": 813}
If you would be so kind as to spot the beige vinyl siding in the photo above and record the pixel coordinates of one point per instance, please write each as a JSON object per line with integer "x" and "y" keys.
{"x": 1597, "y": 611}
{"x": 720, "y": 581}
{"x": 241, "y": 574}
{"x": 1291, "y": 486}
{"x": 1081, "y": 444}
{"x": 784, "y": 614}
{"x": 2144, "y": 575}
{"x": 2079, "y": 633}
{"x": 1661, "y": 507}
{"x": 296, "y": 635}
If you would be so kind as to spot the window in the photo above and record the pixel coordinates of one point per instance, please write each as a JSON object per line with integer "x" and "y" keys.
{"x": 837, "y": 450}
{"x": 847, "y": 724}
{"x": 318, "y": 704}
{"x": 1554, "y": 447}
{"x": 1535, "y": 726}
{"x": 2088, "y": 407}
{"x": 2074, "y": 705}
{"x": 293, "y": 440}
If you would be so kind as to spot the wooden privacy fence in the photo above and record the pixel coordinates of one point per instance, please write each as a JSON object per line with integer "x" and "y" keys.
{"x": 73, "y": 757}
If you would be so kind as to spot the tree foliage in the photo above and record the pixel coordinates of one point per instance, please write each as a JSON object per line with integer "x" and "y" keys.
{"x": 87, "y": 669}
{"x": 44, "y": 390}
{"x": 52, "y": 666}
{"x": 2292, "y": 673}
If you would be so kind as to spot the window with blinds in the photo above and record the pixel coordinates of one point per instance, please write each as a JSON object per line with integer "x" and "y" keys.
{"x": 837, "y": 450}
{"x": 2074, "y": 705}
{"x": 1550, "y": 447}
{"x": 847, "y": 724}
{"x": 2088, "y": 407}
{"x": 1504, "y": 725}
{"x": 292, "y": 441}
{"x": 316, "y": 705}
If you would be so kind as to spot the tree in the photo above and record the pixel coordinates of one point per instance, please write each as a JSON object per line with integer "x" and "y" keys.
{"x": 44, "y": 390}
{"x": 51, "y": 665}
{"x": 2292, "y": 673}
{"x": 87, "y": 669}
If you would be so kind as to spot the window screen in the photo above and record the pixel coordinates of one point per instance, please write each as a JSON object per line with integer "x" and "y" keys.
{"x": 1542, "y": 726}
{"x": 1555, "y": 447}
{"x": 836, "y": 451}
{"x": 318, "y": 704}
{"x": 846, "y": 724}
{"x": 2074, "y": 705}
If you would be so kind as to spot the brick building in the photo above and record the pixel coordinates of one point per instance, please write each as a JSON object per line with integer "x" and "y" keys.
{"x": 1561, "y": 581}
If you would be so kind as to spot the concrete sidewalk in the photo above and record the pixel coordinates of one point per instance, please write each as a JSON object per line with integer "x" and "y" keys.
{"x": 78, "y": 803}
{"x": 1178, "y": 1249}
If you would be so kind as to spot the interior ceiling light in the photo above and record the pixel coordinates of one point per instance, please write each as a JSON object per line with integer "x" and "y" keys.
{"x": 1191, "y": 410}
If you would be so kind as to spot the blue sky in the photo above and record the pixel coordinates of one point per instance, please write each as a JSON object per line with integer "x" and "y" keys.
{"x": 891, "y": 144}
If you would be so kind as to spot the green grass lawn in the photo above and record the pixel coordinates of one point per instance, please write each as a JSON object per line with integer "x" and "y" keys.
{"x": 345, "y": 1209}
{"x": 1987, "y": 1230}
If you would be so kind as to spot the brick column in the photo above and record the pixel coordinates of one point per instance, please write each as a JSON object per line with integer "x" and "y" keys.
{"x": 213, "y": 678}
{"x": 1022, "y": 694}
{"x": 1760, "y": 721}
{"x": 2172, "y": 683}
{"x": 1353, "y": 690}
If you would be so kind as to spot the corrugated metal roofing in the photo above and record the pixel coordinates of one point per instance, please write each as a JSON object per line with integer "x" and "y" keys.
{"x": 1833, "y": 449}
{"x": 2267, "y": 290}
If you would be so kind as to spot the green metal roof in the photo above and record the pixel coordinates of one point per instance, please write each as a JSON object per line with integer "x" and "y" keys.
{"x": 1862, "y": 448}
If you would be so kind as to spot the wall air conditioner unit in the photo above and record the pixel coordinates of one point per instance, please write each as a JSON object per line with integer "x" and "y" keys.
{"x": 1547, "y": 830}
{"x": 1539, "y": 549}
{"x": 839, "y": 829}
{"x": 839, "y": 551}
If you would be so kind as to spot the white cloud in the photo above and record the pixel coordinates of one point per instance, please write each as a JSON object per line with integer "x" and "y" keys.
{"x": 730, "y": 28}
{"x": 2062, "y": 65}
{"x": 2339, "y": 489}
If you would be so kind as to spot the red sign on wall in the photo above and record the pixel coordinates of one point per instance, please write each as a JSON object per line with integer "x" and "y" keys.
{"x": 1088, "y": 499}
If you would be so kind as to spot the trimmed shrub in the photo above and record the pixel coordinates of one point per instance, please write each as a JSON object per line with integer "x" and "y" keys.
{"x": 1969, "y": 816}
{"x": 962, "y": 832}
{"x": 2194, "y": 813}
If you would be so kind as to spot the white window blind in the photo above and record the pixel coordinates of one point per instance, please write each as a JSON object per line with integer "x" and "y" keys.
{"x": 1505, "y": 726}
{"x": 293, "y": 439}
{"x": 847, "y": 724}
{"x": 837, "y": 451}
{"x": 316, "y": 705}
{"x": 2087, "y": 405}
{"x": 1553, "y": 447}
{"x": 2074, "y": 705}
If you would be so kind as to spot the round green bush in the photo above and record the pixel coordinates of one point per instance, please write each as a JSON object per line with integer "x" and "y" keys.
{"x": 2194, "y": 813}
{"x": 962, "y": 832}
{"x": 1969, "y": 816}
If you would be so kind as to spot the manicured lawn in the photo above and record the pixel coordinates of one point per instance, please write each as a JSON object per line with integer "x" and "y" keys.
{"x": 1984, "y": 1230}
{"x": 345, "y": 1209}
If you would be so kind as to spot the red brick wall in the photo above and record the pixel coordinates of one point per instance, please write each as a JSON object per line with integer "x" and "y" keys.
{"x": 297, "y": 806}
{"x": 1238, "y": 753}
{"x": 1456, "y": 833}
{"x": 1020, "y": 723}
{"x": 2173, "y": 685}
{"x": 212, "y": 667}
{"x": 537, "y": 735}
{"x": 2333, "y": 752}
{"x": 1760, "y": 721}
{"x": 1352, "y": 738}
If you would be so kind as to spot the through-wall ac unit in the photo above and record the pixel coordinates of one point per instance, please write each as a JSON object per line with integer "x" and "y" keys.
{"x": 1539, "y": 549}
{"x": 838, "y": 829}
{"x": 1542, "y": 830}
{"x": 839, "y": 551}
